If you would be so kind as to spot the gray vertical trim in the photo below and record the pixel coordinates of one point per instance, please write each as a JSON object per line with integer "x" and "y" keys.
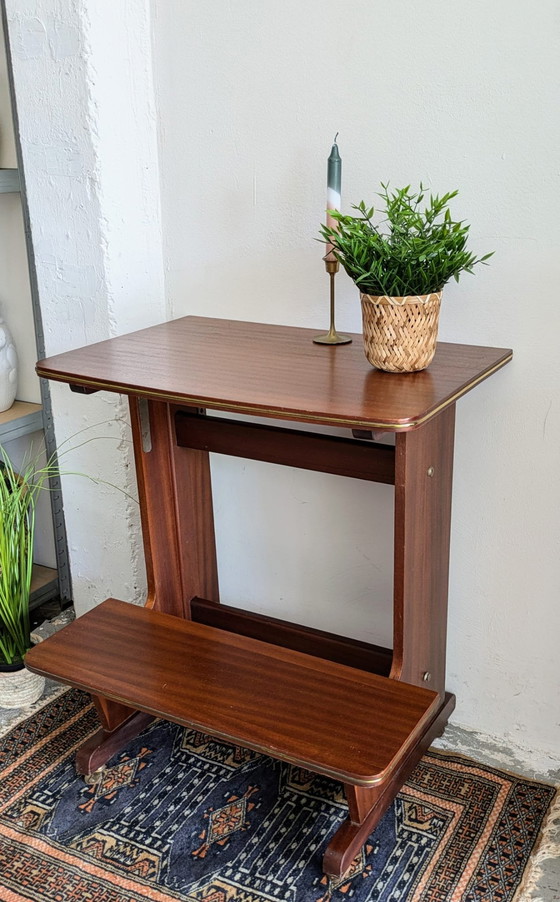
{"x": 61, "y": 544}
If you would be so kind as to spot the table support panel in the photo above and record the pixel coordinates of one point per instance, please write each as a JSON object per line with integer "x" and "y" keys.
{"x": 176, "y": 510}
{"x": 423, "y": 482}
{"x": 175, "y": 491}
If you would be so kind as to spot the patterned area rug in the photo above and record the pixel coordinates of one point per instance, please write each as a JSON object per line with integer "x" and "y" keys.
{"x": 179, "y": 816}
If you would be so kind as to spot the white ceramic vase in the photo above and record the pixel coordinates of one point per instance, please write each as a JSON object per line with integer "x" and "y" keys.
{"x": 8, "y": 367}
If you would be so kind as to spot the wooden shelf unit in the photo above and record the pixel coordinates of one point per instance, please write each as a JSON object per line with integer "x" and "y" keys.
{"x": 44, "y": 585}
{"x": 245, "y": 677}
{"x": 22, "y": 418}
{"x": 9, "y": 181}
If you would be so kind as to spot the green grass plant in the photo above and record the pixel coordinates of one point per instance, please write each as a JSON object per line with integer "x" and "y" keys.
{"x": 415, "y": 248}
{"x": 18, "y": 499}
{"x": 19, "y": 492}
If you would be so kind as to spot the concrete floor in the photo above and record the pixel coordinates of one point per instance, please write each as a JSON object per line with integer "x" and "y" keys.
{"x": 455, "y": 739}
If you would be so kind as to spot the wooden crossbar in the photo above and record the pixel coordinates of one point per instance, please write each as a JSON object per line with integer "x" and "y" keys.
{"x": 290, "y": 447}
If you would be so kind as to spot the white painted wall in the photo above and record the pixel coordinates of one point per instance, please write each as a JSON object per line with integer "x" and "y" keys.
{"x": 249, "y": 96}
{"x": 85, "y": 101}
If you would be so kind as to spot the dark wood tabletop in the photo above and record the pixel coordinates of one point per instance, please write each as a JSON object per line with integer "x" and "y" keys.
{"x": 273, "y": 371}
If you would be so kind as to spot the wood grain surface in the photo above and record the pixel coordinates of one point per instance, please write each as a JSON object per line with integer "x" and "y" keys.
{"x": 176, "y": 510}
{"x": 423, "y": 489}
{"x": 274, "y": 700}
{"x": 273, "y": 371}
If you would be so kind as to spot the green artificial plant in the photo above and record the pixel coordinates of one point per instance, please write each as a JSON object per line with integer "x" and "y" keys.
{"x": 19, "y": 492}
{"x": 413, "y": 250}
{"x": 18, "y": 499}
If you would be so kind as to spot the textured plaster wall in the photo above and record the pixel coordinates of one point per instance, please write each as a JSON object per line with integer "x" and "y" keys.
{"x": 249, "y": 97}
{"x": 85, "y": 101}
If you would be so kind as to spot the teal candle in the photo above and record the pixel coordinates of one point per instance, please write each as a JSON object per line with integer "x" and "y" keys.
{"x": 334, "y": 176}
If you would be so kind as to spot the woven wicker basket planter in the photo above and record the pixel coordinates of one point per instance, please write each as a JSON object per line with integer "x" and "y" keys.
{"x": 400, "y": 334}
{"x": 20, "y": 688}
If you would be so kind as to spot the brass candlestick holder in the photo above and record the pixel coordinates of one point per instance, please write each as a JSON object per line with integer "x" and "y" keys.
{"x": 332, "y": 337}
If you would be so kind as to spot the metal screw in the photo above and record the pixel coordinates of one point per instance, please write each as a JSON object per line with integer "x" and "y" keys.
{"x": 431, "y": 471}
{"x": 427, "y": 676}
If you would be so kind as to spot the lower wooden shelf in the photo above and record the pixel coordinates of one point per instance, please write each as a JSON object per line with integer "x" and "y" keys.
{"x": 44, "y": 585}
{"x": 22, "y": 418}
{"x": 351, "y": 725}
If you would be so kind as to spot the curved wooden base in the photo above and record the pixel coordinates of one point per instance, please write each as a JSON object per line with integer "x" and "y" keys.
{"x": 100, "y": 747}
{"x": 366, "y": 806}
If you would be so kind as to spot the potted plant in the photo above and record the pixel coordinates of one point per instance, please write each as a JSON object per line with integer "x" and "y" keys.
{"x": 18, "y": 497}
{"x": 400, "y": 266}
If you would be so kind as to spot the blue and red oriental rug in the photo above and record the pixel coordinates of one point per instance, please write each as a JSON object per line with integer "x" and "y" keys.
{"x": 180, "y": 816}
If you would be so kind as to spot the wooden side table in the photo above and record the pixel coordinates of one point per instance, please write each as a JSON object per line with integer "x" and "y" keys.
{"x": 348, "y": 709}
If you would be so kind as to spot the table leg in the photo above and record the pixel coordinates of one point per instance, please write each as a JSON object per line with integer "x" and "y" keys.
{"x": 175, "y": 495}
{"x": 92, "y": 756}
{"x": 367, "y": 805}
{"x": 423, "y": 482}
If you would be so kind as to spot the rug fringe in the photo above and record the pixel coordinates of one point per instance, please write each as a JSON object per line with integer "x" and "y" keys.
{"x": 548, "y": 846}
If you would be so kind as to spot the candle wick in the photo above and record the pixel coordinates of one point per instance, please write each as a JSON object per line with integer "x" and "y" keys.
{"x": 335, "y": 137}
